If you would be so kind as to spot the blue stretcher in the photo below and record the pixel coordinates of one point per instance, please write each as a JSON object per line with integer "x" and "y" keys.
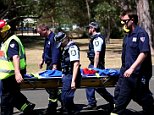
{"x": 53, "y": 79}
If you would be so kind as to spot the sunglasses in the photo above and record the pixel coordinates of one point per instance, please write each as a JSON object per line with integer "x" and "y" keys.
{"x": 125, "y": 21}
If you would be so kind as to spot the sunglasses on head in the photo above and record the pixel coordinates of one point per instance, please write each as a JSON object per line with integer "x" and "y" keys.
{"x": 125, "y": 21}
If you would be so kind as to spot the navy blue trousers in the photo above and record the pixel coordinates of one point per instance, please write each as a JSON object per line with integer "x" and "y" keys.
{"x": 133, "y": 88}
{"x": 11, "y": 96}
{"x": 90, "y": 93}
{"x": 68, "y": 93}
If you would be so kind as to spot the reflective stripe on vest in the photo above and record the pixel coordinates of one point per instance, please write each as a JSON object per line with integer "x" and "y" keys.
{"x": 6, "y": 66}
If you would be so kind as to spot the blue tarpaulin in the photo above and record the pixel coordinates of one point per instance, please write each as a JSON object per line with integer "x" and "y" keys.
{"x": 57, "y": 73}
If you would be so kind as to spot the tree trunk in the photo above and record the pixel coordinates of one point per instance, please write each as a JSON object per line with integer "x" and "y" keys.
{"x": 88, "y": 10}
{"x": 108, "y": 31}
{"x": 145, "y": 19}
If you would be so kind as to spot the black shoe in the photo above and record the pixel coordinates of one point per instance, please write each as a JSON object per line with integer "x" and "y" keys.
{"x": 90, "y": 107}
{"x": 29, "y": 109}
{"x": 49, "y": 112}
{"x": 61, "y": 109}
{"x": 108, "y": 107}
{"x": 73, "y": 112}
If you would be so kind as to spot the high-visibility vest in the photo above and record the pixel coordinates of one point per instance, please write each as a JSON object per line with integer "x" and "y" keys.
{"x": 6, "y": 65}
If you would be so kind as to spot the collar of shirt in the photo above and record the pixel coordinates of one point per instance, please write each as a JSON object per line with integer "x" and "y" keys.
{"x": 67, "y": 46}
{"x": 137, "y": 28}
{"x": 49, "y": 36}
{"x": 97, "y": 33}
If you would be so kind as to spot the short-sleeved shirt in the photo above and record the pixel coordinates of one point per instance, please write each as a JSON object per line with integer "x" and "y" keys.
{"x": 73, "y": 52}
{"x": 135, "y": 43}
{"x": 97, "y": 43}
{"x": 13, "y": 50}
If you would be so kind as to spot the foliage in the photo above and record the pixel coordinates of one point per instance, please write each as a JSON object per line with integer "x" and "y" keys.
{"x": 59, "y": 12}
{"x": 107, "y": 14}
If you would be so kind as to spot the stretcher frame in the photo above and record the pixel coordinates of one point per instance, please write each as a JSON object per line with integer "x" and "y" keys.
{"x": 56, "y": 82}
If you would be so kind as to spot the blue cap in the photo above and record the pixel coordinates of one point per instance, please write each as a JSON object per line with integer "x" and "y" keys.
{"x": 94, "y": 25}
{"x": 59, "y": 38}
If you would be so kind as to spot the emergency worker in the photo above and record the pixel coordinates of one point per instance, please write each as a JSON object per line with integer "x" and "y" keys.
{"x": 70, "y": 69}
{"x": 136, "y": 68}
{"x": 12, "y": 69}
{"x": 96, "y": 55}
{"x": 51, "y": 57}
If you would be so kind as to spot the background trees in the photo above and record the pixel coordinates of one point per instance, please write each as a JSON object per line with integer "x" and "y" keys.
{"x": 80, "y": 12}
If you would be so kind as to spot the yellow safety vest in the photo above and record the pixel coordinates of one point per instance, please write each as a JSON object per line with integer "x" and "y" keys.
{"x": 6, "y": 65}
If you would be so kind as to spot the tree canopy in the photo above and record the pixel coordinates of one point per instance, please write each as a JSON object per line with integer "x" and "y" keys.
{"x": 80, "y": 12}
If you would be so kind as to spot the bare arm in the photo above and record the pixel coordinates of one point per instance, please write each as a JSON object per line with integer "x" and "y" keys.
{"x": 96, "y": 59}
{"x": 16, "y": 63}
{"x": 138, "y": 61}
{"x": 41, "y": 64}
{"x": 75, "y": 72}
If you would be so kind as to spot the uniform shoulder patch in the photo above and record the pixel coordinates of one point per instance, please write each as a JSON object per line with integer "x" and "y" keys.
{"x": 96, "y": 43}
{"x": 12, "y": 45}
{"x": 142, "y": 39}
{"x": 73, "y": 52}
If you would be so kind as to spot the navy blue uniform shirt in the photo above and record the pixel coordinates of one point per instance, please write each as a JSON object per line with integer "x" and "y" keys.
{"x": 13, "y": 49}
{"x": 134, "y": 44}
{"x": 51, "y": 53}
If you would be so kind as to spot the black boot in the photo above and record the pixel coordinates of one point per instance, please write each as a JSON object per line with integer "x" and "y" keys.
{"x": 52, "y": 109}
{"x": 29, "y": 109}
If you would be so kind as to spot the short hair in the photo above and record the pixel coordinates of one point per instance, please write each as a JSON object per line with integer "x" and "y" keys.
{"x": 131, "y": 14}
{"x": 43, "y": 26}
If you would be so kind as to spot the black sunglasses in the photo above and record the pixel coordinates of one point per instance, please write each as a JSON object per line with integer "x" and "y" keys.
{"x": 125, "y": 21}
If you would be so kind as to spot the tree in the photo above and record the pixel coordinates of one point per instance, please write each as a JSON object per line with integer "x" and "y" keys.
{"x": 107, "y": 13}
{"x": 145, "y": 18}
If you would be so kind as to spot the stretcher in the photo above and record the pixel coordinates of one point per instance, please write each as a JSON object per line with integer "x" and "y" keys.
{"x": 53, "y": 79}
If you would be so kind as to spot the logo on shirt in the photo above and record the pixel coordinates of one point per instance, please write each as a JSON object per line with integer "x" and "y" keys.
{"x": 142, "y": 39}
{"x": 73, "y": 52}
{"x": 96, "y": 43}
{"x": 12, "y": 45}
{"x": 134, "y": 39}
{"x": 49, "y": 42}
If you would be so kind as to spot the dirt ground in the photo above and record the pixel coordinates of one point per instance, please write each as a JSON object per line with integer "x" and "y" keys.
{"x": 112, "y": 59}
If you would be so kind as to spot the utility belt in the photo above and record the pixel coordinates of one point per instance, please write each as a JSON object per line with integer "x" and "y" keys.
{"x": 91, "y": 55}
{"x": 100, "y": 65}
{"x": 67, "y": 70}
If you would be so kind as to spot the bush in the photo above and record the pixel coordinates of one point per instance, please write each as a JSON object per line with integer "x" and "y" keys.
{"x": 116, "y": 33}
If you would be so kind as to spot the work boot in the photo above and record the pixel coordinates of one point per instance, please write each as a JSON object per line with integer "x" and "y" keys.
{"x": 52, "y": 109}
{"x": 29, "y": 109}
{"x": 109, "y": 107}
{"x": 49, "y": 112}
{"x": 75, "y": 111}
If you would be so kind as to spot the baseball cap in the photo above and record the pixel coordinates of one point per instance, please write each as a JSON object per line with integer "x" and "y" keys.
{"x": 59, "y": 37}
{"x": 94, "y": 25}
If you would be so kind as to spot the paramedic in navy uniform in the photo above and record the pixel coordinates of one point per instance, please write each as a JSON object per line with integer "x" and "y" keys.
{"x": 96, "y": 55}
{"x": 51, "y": 57}
{"x": 136, "y": 67}
{"x": 70, "y": 69}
